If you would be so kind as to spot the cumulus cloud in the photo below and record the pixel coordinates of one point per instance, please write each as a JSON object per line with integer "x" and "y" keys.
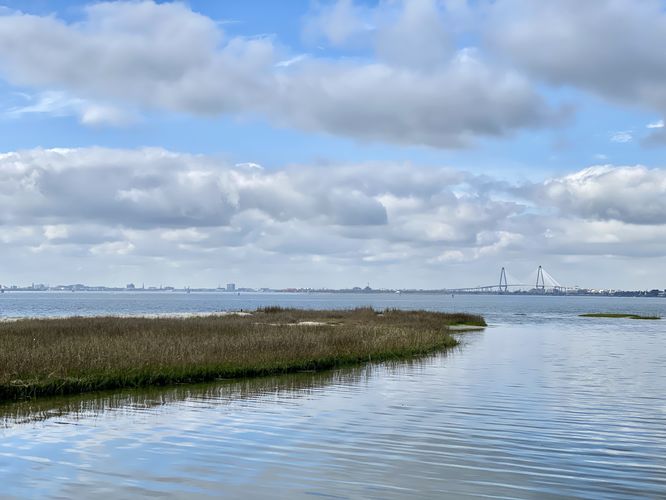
{"x": 165, "y": 56}
{"x": 417, "y": 37}
{"x": 612, "y": 48}
{"x": 633, "y": 195}
{"x": 339, "y": 23}
{"x": 572, "y": 237}
{"x": 156, "y": 188}
{"x": 103, "y": 199}
{"x": 186, "y": 215}
{"x": 417, "y": 33}
{"x": 411, "y": 34}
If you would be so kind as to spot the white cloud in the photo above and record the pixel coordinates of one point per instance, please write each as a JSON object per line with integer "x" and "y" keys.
{"x": 339, "y": 23}
{"x": 184, "y": 235}
{"x": 249, "y": 165}
{"x": 54, "y": 103}
{"x": 112, "y": 248}
{"x": 634, "y": 195}
{"x": 416, "y": 37}
{"x": 612, "y": 48}
{"x": 657, "y": 124}
{"x": 165, "y": 56}
{"x": 96, "y": 114}
{"x": 291, "y": 61}
{"x": 58, "y": 231}
{"x": 60, "y": 104}
{"x": 177, "y": 216}
{"x": 450, "y": 256}
{"x": 623, "y": 136}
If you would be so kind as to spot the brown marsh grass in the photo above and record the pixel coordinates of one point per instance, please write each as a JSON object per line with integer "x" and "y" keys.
{"x": 41, "y": 357}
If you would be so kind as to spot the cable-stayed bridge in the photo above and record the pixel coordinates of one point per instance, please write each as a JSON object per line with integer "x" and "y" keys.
{"x": 540, "y": 281}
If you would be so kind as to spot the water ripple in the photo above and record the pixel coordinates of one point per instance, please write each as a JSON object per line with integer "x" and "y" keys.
{"x": 545, "y": 410}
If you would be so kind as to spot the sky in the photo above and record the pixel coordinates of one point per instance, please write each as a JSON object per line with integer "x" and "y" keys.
{"x": 401, "y": 144}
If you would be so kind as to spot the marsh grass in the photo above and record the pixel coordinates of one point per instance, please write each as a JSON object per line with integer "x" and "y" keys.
{"x": 40, "y": 357}
{"x": 618, "y": 315}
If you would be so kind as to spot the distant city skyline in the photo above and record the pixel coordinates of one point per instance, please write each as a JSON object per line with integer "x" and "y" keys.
{"x": 497, "y": 288}
{"x": 411, "y": 144}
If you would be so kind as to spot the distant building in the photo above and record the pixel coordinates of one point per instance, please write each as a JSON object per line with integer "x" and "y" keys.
{"x": 130, "y": 286}
{"x": 231, "y": 287}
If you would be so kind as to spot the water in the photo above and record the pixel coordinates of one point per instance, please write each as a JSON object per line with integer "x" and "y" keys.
{"x": 542, "y": 404}
{"x": 495, "y": 308}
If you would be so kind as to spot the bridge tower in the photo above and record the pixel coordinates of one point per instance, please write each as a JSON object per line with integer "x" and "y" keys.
{"x": 539, "y": 278}
{"x": 503, "y": 285}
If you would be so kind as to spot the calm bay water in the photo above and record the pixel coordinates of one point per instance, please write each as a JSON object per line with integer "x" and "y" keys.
{"x": 542, "y": 404}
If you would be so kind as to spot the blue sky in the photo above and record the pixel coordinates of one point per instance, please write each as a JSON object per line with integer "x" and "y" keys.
{"x": 487, "y": 90}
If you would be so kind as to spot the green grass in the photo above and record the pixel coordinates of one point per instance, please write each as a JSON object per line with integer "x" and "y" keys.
{"x": 74, "y": 355}
{"x": 617, "y": 315}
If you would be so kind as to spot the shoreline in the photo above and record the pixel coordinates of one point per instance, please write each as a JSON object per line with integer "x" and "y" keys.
{"x": 51, "y": 357}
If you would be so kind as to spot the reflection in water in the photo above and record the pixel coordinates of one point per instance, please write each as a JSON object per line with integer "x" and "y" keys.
{"x": 293, "y": 385}
{"x": 554, "y": 409}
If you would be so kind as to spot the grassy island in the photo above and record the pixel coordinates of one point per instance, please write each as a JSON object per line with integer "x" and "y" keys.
{"x": 42, "y": 357}
{"x": 617, "y": 315}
